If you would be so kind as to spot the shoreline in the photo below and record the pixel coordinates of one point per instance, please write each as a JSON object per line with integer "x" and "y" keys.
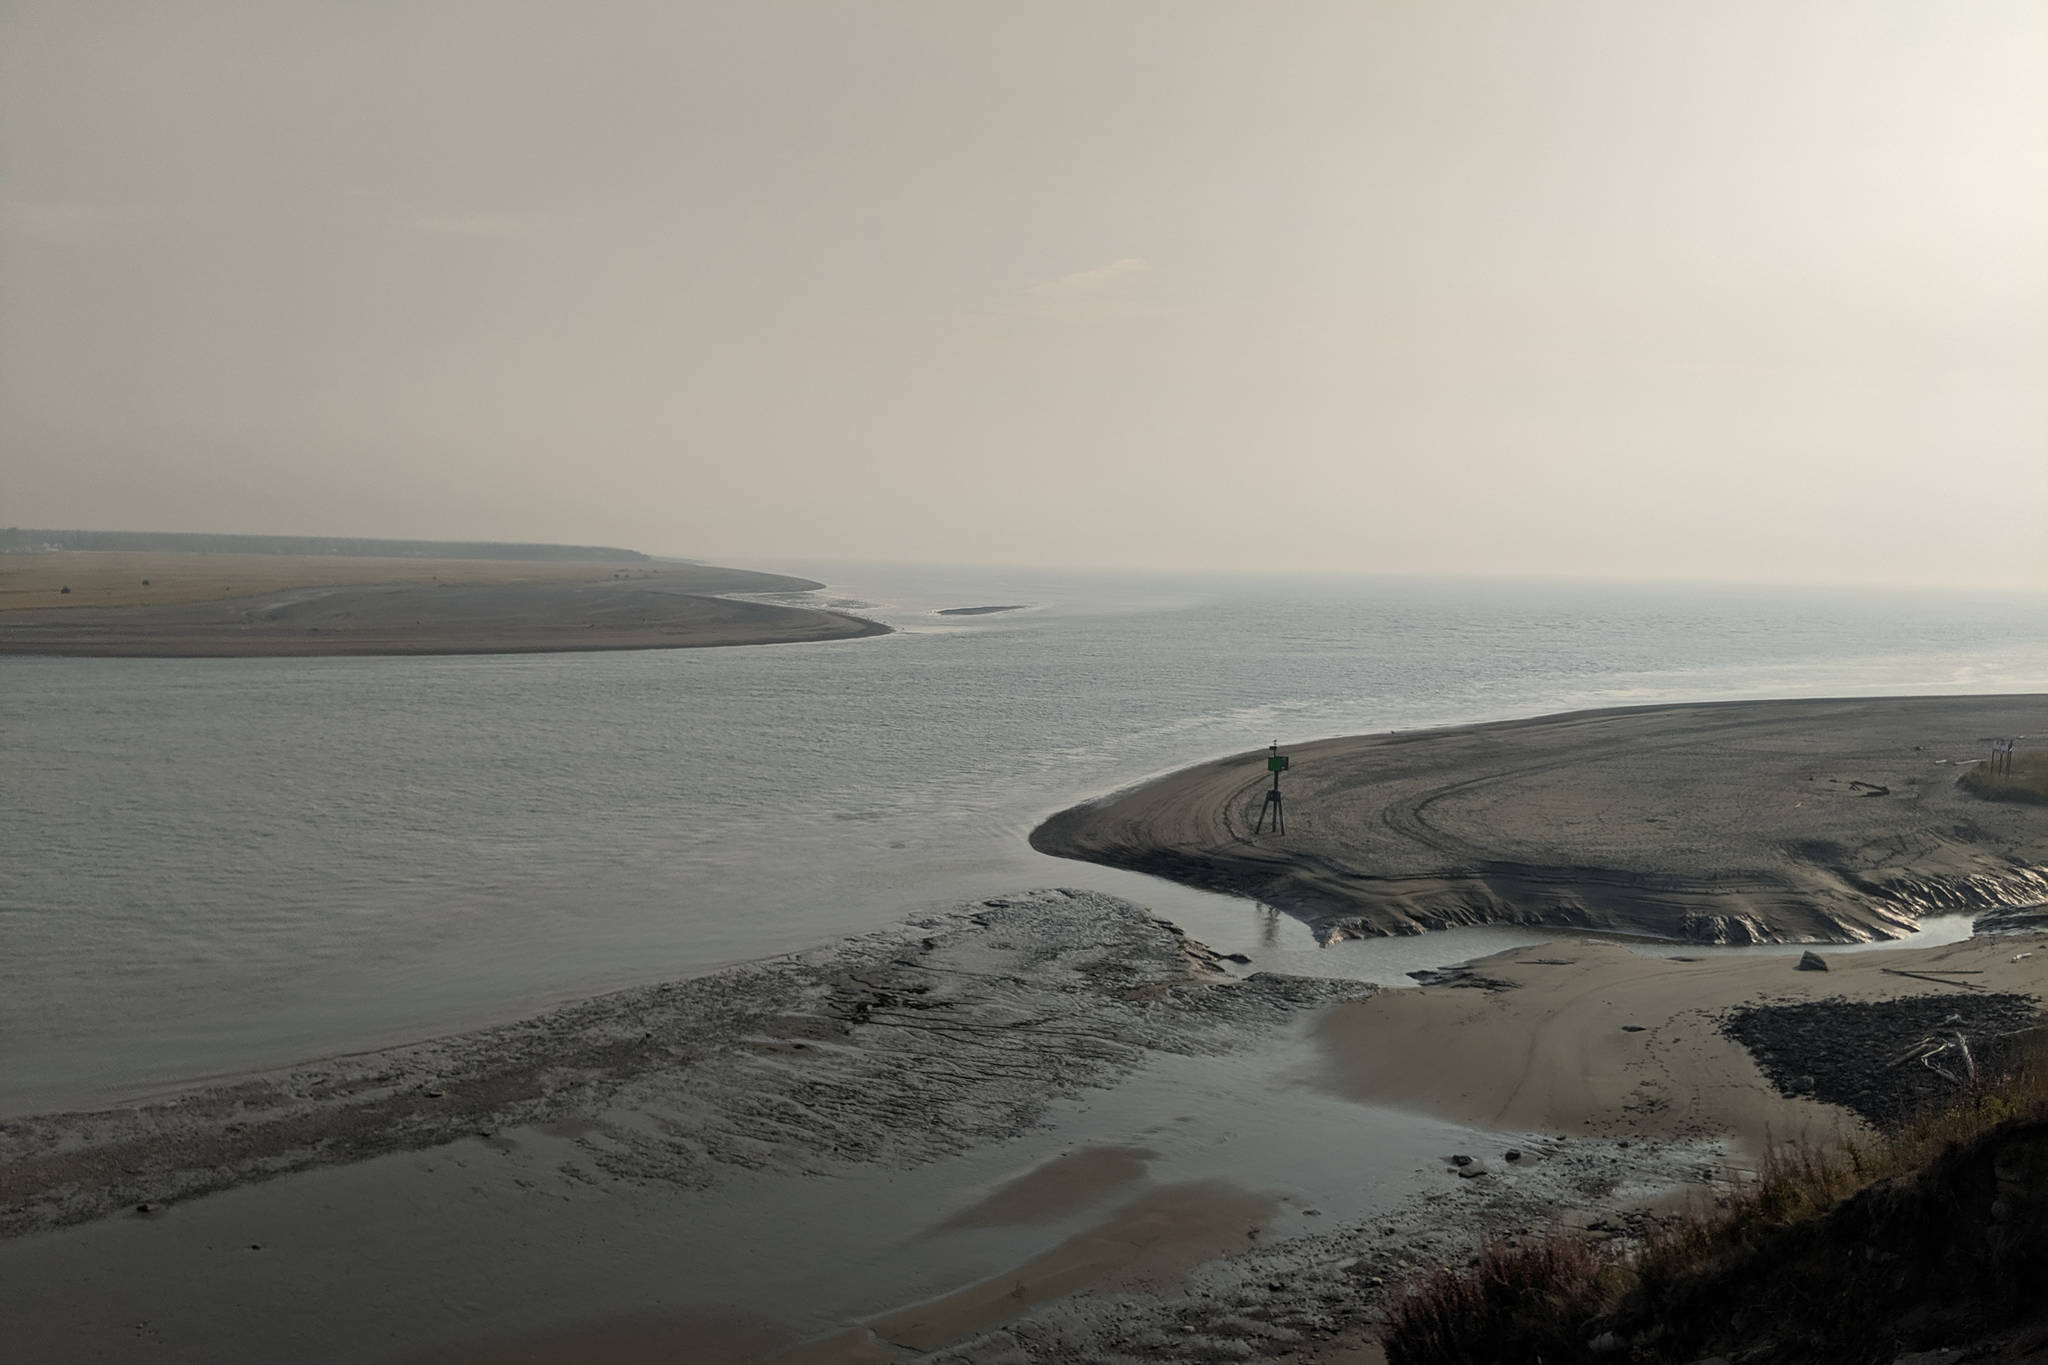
{"x": 1039, "y": 1127}
{"x": 91, "y": 604}
{"x": 925, "y": 1100}
{"x": 1825, "y": 820}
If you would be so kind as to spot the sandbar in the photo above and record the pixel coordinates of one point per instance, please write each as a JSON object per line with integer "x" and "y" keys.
{"x": 124, "y": 604}
{"x": 1729, "y": 822}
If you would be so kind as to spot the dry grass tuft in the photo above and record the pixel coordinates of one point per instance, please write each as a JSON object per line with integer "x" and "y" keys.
{"x": 1519, "y": 1303}
{"x": 1547, "y": 1299}
{"x": 2028, "y": 780}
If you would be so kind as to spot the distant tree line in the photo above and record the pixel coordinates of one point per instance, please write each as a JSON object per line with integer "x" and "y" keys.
{"x": 15, "y": 540}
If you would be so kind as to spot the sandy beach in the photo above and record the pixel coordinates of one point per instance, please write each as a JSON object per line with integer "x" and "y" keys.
{"x": 1737, "y": 822}
{"x": 234, "y": 605}
{"x": 1595, "y": 1039}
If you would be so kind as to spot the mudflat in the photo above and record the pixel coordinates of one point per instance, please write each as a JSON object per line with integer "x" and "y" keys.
{"x": 1733, "y": 822}
{"x": 231, "y": 605}
{"x": 786, "y": 1161}
{"x": 636, "y": 1117}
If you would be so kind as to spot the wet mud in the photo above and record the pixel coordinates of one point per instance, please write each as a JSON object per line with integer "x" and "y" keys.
{"x": 899, "y": 1047}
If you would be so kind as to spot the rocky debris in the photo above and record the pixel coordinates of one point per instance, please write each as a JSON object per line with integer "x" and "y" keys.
{"x": 1874, "y": 1056}
{"x": 901, "y": 1046}
{"x": 1810, "y": 961}
{"x": 1460, "y": 976}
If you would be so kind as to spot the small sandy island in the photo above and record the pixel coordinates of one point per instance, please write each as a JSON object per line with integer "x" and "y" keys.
{"x": 1734, "y": 822}
{"x": 120, "y": 603}
{"x": 978, "y": 611}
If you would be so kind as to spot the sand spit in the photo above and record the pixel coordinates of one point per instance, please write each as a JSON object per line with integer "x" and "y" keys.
{"x": 1733, "y": 822}
{"x": 899, "y": 1048}
{"x": 369, "y": 606}
{"x": 158, "y": 578}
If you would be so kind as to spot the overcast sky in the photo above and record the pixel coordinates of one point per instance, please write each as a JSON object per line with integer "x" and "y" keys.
{"x": 1721, "y": 290}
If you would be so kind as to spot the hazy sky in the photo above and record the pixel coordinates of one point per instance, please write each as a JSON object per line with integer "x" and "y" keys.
{"x": 1618, "y": 287}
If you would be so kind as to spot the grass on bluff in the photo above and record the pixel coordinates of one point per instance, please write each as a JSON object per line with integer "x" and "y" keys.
{"x": 1548, "y": 1298}
{"x": 2028, "y": 780}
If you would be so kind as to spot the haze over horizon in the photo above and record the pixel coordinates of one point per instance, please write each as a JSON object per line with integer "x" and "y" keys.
{"x": 1749, "y": 292}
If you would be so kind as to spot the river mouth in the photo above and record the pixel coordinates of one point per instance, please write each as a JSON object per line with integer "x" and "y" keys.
{"x": 237, "y": 865}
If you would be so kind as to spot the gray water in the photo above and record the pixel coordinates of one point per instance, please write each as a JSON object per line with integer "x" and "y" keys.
{"x": 216, "y": 866}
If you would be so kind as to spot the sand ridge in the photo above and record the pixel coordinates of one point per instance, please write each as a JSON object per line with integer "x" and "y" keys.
{"x": 1730, "y": 822}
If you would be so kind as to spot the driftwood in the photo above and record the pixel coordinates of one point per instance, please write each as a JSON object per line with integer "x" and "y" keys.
{"x": 1937, "y": 980}
{"x": 1935, "y": 1049}
{"x": 1948, "y": 1044}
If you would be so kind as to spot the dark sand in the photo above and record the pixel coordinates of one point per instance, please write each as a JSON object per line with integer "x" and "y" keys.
{"x": 897, "y": 1047}
{"x": 395, "y": 607}
{"x": 1737, "y": 822}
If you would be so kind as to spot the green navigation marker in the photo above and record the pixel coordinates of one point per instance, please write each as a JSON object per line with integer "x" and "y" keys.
{"x": 1276, "y": 764}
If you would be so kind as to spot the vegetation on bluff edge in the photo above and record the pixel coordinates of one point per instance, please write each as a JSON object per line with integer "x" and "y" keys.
{"x": 2028, "y": 780}
{"x": 1929, "y": 1236}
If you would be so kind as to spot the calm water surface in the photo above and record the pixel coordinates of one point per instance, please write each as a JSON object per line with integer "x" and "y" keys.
{"x": 213, "y": 866}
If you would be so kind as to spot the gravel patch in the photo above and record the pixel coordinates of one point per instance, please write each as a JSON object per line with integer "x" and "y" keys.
{"x": 1879, "y": 1058}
